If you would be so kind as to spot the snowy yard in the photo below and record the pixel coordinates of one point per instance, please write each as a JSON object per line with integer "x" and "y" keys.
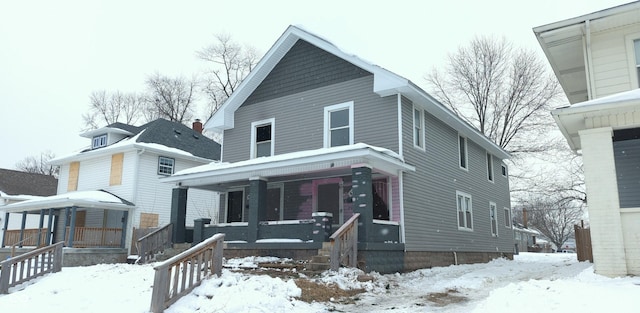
{"x": 530, "y": 283}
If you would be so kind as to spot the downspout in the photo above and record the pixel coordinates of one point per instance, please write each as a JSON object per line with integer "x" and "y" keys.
{"x": 455, "y": 258}
{"x": 591, "y": 93}
{"x": 131, "y": 217}
{"x": 401, "y": 196}
{"x": 399, "y": 96}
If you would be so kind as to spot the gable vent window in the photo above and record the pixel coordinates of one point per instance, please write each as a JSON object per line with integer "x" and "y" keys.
{"x": 462, "y": 151}
{"x": 99, "y": 141}
{"x": 418, "y": 129}
{"x": 489, "y": 167}
{"x": 636, "y": 46}
{"x": 165, "y": 165}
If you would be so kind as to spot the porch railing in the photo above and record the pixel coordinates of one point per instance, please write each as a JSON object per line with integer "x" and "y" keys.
{"x": 154, "y": 243}
{"x": 178, "y": 275}
{"x": 344, "y": 244}
{"x": 20, "y": 269}
{"x": 30, "y": 237}
{"x": 86, "y": 237}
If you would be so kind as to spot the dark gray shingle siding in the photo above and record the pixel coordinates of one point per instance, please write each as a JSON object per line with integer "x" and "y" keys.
{"x": 21, "y": 183}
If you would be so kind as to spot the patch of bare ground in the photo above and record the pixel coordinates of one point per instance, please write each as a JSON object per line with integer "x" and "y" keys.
{"x": 319, "y": 292}
{"x": 450, "y": 296}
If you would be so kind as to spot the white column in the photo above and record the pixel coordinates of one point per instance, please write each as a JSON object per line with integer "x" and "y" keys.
{"x": 602, "y": 202}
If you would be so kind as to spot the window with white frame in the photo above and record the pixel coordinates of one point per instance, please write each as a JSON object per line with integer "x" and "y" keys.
{"x": 636, "y": 48}
{"x": 462, "y": 151}
{"x": 489, "y": 167}
{"x": 99, "y": 141}
{"x": 418, "y": 128}
{"x": 262, "y": 138}
{"x": 507, "y": 218}
{"x": 493, "y": 216}
{"x": 338, "y": 125}
{"x": 165, "y": 165}
{"x": 465, "y": 211}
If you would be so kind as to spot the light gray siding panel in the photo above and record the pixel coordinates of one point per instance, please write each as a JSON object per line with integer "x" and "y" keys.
{"x": 627, "y": 157}
{"x": 299, "y": 119}
{"x": 430, "y": 192}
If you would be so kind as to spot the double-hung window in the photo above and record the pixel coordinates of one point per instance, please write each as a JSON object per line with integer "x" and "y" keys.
{"x": 465, "y": 211}
{"x": 493, "y": 217}
{"x": 99, "y": 141}
{"x": 338, "y": 125}
{"x": 165, "y": 165}
{"x": 507, "y": 218}
{"x": 418, "y": 128}
{"x": 262, "y": 133}
{"x": 462, "y": 152}
{"x": 489, "y": 167}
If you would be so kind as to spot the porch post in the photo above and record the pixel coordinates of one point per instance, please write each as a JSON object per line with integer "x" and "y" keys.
{"x": 179, "y": 214}
{"x": 40, "y": 226}
{"x": 67, "y": 216}
{"x": 4, "y": 230}
{"x": 72, "y": 227}
{"x": 123, "y": 236}
{"x": 49, "y": 226}
{"x": 363, "y": 199}
{"x": 257, "y": 206}
{"x": 22, "y": 226}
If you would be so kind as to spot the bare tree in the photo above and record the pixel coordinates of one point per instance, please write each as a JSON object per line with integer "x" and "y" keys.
{"x": 171, "y": 98}
{"x": 229, "y": 64}
{"x": 39, "y": 164}
{"x": 504, "y": 92}
{"x": 107, "y": 108}
{"x": 554, "y": 218}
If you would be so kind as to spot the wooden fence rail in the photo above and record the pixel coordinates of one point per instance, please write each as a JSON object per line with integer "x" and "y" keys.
{"x": 30, "y": 237}
{"x": 22, "y": 268}
{"x": 178, "y": 275}
{"x": 153, "y": 243}
{"x": 344, "y": 244}
{"x": 86, "y": 237}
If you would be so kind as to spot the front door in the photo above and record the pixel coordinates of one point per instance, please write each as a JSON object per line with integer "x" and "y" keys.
{"x": 329, "y": 199}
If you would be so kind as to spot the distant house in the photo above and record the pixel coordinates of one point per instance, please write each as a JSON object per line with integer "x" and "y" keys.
{"x": 596, "y": 58}
{"x": 17, "y": 186}
{"x": 315, "y": 133}
{"x": 112, "y": 186}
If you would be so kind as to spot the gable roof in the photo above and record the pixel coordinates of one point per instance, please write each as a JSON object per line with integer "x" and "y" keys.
{"x": 563, "y": 43}
{"x": 21, "y": 183}
{"x": 160, "y": 135}
{"x": 385, "y": 83}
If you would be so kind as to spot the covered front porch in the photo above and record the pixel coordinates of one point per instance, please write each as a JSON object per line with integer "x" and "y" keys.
{"x": 84, "y": 219}
{"x": 288, "y": 205}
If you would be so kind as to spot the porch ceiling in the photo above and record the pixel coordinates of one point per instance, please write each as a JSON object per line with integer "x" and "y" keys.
{"x": 306, "y": 164}
{"x": 98, "y": 199}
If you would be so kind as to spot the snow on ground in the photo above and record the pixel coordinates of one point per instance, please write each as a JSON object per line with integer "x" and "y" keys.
{"x": 532, "y": 282}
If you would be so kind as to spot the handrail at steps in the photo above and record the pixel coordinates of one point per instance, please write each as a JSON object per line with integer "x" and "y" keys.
{"x": 154, "y": 242}
{"x": 180, "y": 274}
{"x": 344, "y": 244}
{"x": 17, "y": 270}
{"x": 13, "y": 246}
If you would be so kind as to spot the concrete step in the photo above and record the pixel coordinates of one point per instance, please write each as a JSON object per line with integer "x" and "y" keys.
{"x": 311, "y": 266}
{"x": 171, "y": 252}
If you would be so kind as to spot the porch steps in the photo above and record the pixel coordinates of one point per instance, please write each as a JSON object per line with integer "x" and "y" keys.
{"x": 320, "y": 262}
{"x": 173, "y": 251}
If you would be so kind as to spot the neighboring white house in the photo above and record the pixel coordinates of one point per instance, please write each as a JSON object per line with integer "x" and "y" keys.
{"x": 126, "y": 162}
{"x": 17, "y": 186}
{"x": 596, "y": 58}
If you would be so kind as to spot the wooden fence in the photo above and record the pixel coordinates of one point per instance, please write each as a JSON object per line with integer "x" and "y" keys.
{"x": 22, "y": 268}
{"x": 178, "y": 275}
{"x": 29, "y": 237}
{"x": 153, "y": 243}
{"x": 344, "y": 244}
{"x": 87, "y": 237}
{"x": 583, "y": 243}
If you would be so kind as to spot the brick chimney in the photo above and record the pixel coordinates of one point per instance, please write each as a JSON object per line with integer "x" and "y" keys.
{"x": 197, "y": 126}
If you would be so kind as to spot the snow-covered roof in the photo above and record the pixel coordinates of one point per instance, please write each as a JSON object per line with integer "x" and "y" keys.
{"x": 385, "y": 83}
{"x": 292, "y": 163}
{"x": 85, "y": 199}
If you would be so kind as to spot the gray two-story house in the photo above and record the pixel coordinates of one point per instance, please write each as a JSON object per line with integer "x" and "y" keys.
{"x": 314, "y": 133}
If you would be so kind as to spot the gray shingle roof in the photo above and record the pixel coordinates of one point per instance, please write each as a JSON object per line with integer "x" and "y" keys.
{"x": 21, "y": 183}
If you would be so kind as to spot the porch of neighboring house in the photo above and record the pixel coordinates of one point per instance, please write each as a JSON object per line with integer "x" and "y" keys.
{"x": 288, "y": 208}
{"x": 92, "y": 226}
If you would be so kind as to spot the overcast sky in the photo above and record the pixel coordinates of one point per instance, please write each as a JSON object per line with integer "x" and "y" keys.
{"x": 53, "y": 54}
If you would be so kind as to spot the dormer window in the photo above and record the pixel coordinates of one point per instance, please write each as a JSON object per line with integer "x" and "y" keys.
{"x": 99, "y": 141}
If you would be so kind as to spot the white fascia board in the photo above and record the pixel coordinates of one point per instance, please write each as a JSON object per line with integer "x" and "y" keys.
{"x": 105, "y": 130}
{"x": 64, "y": 203}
